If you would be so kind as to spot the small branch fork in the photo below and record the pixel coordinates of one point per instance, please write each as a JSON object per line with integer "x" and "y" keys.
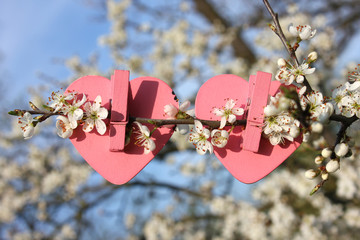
{"x": 345, "y": 121}
{"x": 291, "y": 51}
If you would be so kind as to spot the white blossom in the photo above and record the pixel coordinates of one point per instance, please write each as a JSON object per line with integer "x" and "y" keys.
{"x": 338, "y": 95}
{"x": 200, "y": 138}
{"x": 289, "y": 73}
{"x": 317, "y": 107}
{"x": 60, "y": 100}
{"x": 142, "y": 138}
{"x": 94, "y": 116}
{"x": 280, "y": 127}
{"x": 219, "y": 138}
{"x": 26, "y": 125}
{"x": 228, "y": 113}
{"x": 64, "y": 128}
{"x": 305, "y": 32}
{"x": 74, "y": 112}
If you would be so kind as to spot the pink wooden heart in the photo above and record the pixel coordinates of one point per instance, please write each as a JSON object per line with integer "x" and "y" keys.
{"x": 246, "y": 166}
{"x": 147, "y": 98}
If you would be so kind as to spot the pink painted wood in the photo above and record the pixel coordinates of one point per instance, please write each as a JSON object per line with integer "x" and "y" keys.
{"x": 246, "y": 166}
{"x": 147, "y": 98}
{"x": 259, "y": 87}
{"x": 119, "y": 109}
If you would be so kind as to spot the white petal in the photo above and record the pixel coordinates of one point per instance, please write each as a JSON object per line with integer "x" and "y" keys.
{"x": 88, "y": 125}
{"x": 275, "y": 139}
{"x": 209, "y": 147}
{"x": 198, "y": 126}
{"x": 29, "y": 132}
{"x": 206, "y": 133}
{"x": 300, "y": 79}
{"x": 238, "y": 111}
{"x": 185, "y": 105}
{"x": 170, "y": 110}
{"x": 214, "y": 132}
{"x": 97, "y": 103}
{"x": 27, "y": 117}
{"x": 87, "y": 107}
{"x": 230, "y": 104}
{"x": 191, "y": 112}
{"x": 102, "y": 113}
{"x": 82, "y": 101}
{"x": 354, "y": 86}
{"x": 218, "y": 112}
{"x": 302, "y": 91}
{"x": 309, "y": 71}
{"x": 78, "y": 114}
{"x": 151, "y": 144}
{"x": 100, "y": 126}
{"x": 72, "y": 121}
{"x": 232, "y": 118}
{"x": 292, "y": 30}
{"x": 64, "y": 119}
{"x": 222, "y": 122}
{"x": 201, "y": 148}
{"x": 145, "y": 130}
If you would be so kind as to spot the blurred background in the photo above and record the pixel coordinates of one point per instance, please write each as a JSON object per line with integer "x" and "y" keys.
{"x": 47, "y": 191}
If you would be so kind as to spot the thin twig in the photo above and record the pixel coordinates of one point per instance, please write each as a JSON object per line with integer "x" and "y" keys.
{"x": 157, "y": 122}
{"x": 278, "y": 31}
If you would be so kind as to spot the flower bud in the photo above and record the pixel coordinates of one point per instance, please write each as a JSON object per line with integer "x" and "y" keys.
{"x": 341, "y": 149}
{"x": 294, "y": 132}
{"x": 284, "y": 103}
{"x": 306, "y": 137}
{"x": 317, "y": 127}
{"x": 326, "y": 152}
{"x": 281, "y": 62}
{"x": 324, "y": 176}
{"x": 270, "y": 110}
{"x": 311, "y": 174}
{"x": 302, "y": 91}
{"x": 319, "y": 159}
{"x": 332, "y": 166}
{"x": 312, "y": 57}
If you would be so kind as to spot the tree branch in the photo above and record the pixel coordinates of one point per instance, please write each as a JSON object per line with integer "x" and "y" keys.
{"x": 241, "y": 49}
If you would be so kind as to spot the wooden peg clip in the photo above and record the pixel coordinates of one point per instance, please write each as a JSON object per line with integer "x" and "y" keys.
{"x": 259, "y": 86}
{"x": 119, "y": 109}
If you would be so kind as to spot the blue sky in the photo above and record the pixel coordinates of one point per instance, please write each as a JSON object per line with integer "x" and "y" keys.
{"x": 34, "y": 33}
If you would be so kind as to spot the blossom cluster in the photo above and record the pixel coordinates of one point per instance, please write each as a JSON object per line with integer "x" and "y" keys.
{"x": 73, "y": 109}
{"x": 346, "y": 99}
{"x": 290, "y": 73}
{"x": 278, "y": 122}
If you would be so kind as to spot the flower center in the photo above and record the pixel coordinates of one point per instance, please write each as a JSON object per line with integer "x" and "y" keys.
{"x": 94, "y": 115}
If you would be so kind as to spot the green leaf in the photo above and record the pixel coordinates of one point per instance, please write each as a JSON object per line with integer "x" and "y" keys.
{"x": 16, "y": 112}
{"x": 33, "y": 106}
{"x": 48, "y": 108}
